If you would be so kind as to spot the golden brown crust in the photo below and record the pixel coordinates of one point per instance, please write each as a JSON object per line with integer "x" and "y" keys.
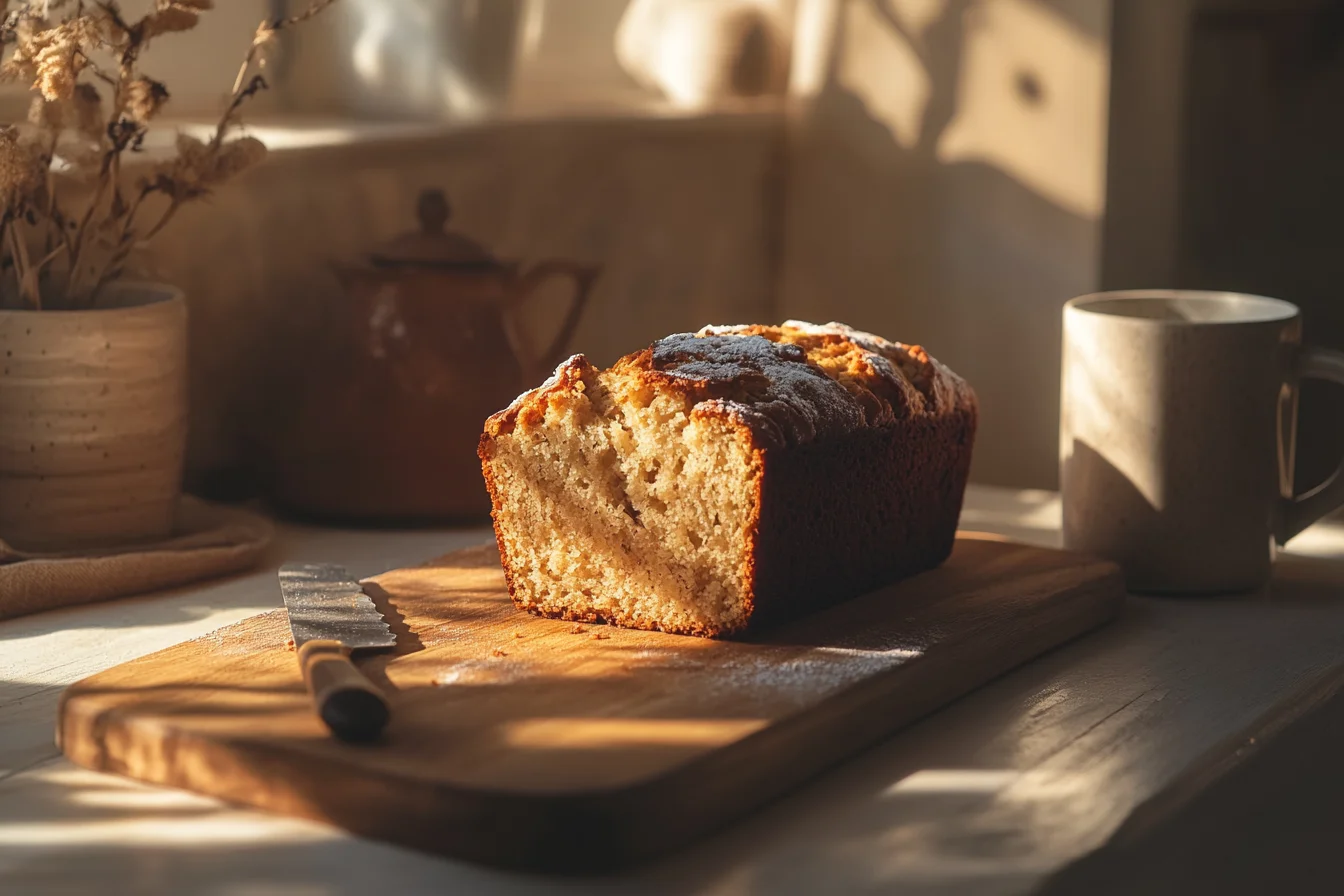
{"x": 492, "y": 486}
{"x": 529, "y": 409}
{"x": 791, "y": 384}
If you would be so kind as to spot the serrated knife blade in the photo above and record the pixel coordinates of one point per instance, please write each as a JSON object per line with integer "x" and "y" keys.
{"x": 329, "y": 617}
{"x": 325, "y": 603}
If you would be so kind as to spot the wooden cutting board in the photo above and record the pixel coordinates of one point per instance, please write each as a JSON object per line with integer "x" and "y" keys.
{"x": 534, "y": 743}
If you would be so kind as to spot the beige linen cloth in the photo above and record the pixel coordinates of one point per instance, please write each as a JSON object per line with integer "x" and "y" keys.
{"x": 210, "y": 541}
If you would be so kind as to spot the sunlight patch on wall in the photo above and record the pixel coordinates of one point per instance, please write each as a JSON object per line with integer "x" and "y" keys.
{"x": 880, "y": 66}
{"x": 1008, "y": 83}
{"x": 1032, "y": 101}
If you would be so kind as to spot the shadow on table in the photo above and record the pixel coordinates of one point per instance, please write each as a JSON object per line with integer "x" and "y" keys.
{"x": 1272, "y": 825}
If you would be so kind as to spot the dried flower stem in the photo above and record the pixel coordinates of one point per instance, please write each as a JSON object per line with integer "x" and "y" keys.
{"x": 24, "y": 268}
{"x": 82, "y": 228}
{"x": 53, "y": 228}
{"x": 244, "y": 87}
{"x": 163, "y": 221}
{"x": 51, "y": 44}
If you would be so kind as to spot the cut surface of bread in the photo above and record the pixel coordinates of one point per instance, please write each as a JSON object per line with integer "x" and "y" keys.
{"x": 717, "y": 479}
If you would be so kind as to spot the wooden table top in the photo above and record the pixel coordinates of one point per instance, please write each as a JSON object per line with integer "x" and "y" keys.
{"x": 1077, "y": 754}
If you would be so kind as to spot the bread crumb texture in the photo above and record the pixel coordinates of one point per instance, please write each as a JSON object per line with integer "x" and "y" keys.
{"x": 633, "y": 495}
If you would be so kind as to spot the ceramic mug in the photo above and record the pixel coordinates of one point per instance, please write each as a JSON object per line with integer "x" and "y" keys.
{"x": 1177, "y": 424}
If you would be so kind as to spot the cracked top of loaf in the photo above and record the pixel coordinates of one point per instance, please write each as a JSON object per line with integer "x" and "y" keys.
{"x": 789, "y": 384}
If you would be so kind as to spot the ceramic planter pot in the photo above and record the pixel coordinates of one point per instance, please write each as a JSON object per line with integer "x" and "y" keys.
{"x": 93, "y": 420}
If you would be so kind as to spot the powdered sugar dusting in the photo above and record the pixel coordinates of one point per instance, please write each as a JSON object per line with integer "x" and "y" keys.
{"x": 770, "y": 675}
{"x": 909, "y": 362}
{"x": 867, "y": 341}
{"x": 800, "y": 680}
{"x": 493, "y": 671}
{"x": 904, "y": 653}
{"x": 899, "y": 375}
{"x": 770, "y": 385}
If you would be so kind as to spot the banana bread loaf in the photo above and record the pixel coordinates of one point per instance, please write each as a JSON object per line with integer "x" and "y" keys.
{"x": 725, "y": 479}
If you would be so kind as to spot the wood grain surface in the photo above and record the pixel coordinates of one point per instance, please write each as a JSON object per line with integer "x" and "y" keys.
{"x": 535, "y": 743}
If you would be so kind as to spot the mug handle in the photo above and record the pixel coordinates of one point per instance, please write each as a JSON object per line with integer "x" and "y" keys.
{"x": 1300, "y": 511}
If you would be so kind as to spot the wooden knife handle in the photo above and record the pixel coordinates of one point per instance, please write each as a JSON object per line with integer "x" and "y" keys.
{"x": 348, "y": 702}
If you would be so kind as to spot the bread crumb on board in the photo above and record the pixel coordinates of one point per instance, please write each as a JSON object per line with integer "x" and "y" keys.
{"x": 599, "y": 636}
{"x": 497, "y": 652}
{"x": 518, "y": 634}
{"x": 578, "y": 630}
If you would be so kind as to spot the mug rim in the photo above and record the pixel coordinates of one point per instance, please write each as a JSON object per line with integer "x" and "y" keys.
{"x": 1270, "y": 310}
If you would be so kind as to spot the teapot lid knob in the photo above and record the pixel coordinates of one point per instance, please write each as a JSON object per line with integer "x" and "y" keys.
{"x": 433, "y": 210}
{"x": 433, "y": 245}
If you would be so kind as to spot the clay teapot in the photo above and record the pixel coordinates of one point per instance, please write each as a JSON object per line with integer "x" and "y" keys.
{"x": 435, "y": 344}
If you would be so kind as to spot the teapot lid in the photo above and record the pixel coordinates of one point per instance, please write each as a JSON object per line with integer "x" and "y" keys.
{"x": 432, "y": 245}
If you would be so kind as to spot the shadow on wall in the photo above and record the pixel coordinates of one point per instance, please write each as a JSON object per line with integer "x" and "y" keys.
{"x": 945, "y": 189}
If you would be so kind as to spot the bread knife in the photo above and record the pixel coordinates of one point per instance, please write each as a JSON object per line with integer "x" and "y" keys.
{"x": 330, "y": 617}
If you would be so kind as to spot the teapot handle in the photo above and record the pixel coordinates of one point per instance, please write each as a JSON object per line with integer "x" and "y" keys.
{"x": 583, "y": 275}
